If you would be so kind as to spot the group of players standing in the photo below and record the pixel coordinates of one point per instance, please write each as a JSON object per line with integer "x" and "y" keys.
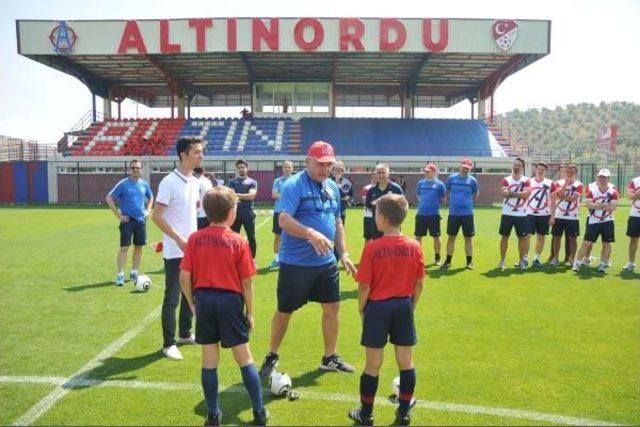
{"x": 208, "y": 272}
{"x": 534, "y": 205}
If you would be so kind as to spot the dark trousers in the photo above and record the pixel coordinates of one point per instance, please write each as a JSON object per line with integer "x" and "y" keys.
{"x": 249, "y": 224}
{"x": 173, "y": 296}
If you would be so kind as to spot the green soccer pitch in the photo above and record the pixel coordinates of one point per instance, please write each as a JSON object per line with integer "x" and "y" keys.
{"x": 546, "y": 346}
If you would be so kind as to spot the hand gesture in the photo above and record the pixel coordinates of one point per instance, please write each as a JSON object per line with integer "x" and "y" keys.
{"x": 348, "y": 264}
{"x": 320, "y": 242}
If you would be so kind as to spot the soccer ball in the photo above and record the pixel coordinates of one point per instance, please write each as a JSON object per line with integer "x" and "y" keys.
{"x": 143, "y": 284}
{"x": 395, "y": 386}
{"x": 280, "y": 384}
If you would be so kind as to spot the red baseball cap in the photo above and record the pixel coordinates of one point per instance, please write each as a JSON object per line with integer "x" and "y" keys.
{"x": 430, "y": 167}
{"x": 466, "y": 163}
{"x": 322, "y": 152}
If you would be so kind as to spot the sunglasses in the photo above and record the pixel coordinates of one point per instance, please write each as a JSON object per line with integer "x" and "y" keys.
{"x": 134, "y": 167}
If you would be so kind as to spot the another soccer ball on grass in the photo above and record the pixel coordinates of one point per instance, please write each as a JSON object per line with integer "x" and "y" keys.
{"x": 143, "y": 284}
{"x": 395, "y": 387}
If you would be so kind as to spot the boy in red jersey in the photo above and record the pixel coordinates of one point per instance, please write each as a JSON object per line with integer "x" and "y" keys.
{"x": 390, "y": 277}
{"x": 216, "y": 272}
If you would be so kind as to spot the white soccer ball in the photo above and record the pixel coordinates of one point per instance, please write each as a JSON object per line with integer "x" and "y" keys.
{"x": 280, "y": 384}
{"x": 143, "y": 284}
{"x": 395, "y": 386}
{"x": 262, "y": 213}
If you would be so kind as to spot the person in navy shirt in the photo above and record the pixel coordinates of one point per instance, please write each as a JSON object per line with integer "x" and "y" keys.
{"x": 246, "y": 188}
{"x": 384, "y": 186}
{"x": 311, "y": 225}
{"x": 346, "y": 189}
{"x": 431, "y": 192}
{"x": 131, "y": 194}
{"x": 462, "y": 189}
{"x": 276, "y": 189}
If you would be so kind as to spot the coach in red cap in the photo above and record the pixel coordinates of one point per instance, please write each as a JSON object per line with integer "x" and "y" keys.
{"x": 310, "y": 222}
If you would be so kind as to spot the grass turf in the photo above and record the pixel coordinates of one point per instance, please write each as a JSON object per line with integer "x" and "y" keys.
{"x": 546, "y": 340}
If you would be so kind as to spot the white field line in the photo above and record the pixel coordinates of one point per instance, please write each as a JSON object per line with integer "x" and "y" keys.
{"x": 63, "y": 388}
{"x": 79, "y": 382}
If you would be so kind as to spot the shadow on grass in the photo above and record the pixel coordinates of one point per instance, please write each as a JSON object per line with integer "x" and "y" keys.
{"x": 232, "y": 401}
{"x": 117, "y": 368}
{"x": 628, "y": 275}
{"x": 436, "y": 274}
{"x": 308, "y": 378}
{"x": 81, "y": 288}
{"x": 496, "y": 272}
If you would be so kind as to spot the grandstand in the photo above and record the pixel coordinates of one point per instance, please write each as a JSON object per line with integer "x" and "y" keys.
{"x": 284, "y": 136}
{"x": 291, "y": 74}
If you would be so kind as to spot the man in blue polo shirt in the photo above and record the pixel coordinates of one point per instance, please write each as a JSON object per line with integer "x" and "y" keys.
{"x": 246, "y": 188}
{"x": 131, "y": 193}
{"x": 431, "y": 192}
{"x": 311, "y": 225}
{"x": 463, "y": 192}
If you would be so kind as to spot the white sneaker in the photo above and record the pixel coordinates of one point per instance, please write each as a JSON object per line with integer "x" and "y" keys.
{"x": 501, "y": 266}
{"x": 190, "y": 340}
{"x": 576, "y": 266}
{"x": 602, "y": 267}
{"x": 586, "y": 261}
{"x": 172, "y": 353}
{"x": 629, "y": 266}
{"x": 554, "y": 262}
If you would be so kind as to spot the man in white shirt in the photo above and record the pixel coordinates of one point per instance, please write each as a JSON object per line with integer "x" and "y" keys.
{"x": 175, "y": 214}
{"x": 515, "y": 190}
{"x": 633, "y": 223}
{"x": 602, "y": 200}
{"x": 540, "y": 205}
{"x": 204, "y": 185}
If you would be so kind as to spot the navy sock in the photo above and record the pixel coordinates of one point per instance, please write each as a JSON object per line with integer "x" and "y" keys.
{"x": 407, "y": 386}
{"x": 368, "y": 389}
{"x": 210, "y": 388}
{"x": 448, "y": 261}
{"x": 251, "y": 381}
{"x": 437, "y": 257}
{"x": 469, "y": 258}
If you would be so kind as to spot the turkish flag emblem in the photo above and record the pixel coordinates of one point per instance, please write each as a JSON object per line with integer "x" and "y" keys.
{"x": 505, "y": 33}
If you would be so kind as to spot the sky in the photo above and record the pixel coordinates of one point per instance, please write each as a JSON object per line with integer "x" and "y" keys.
{"x": 594, "y": 53}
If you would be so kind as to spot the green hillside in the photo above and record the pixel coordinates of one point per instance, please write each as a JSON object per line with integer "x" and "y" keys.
{"x": 574, "y": 128}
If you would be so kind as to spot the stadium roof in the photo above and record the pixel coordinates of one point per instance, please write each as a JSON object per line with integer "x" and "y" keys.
{"x": 369, "y": 61}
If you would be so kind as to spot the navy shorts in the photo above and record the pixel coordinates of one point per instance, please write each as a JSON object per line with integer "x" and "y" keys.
{"x": 427, "y": 224}
{"x": 520, "y": 223}
{"x": 454, "y": 222}
{"x": 368, "y": 225}
{"x": 135, "y": 229}
{"x": 605, "y": 229}
{"x": 633, "y": 226}
{"x": 538, "y": 224}
{"x": 390, "y": 318}
{"x": 220, "y": 318}
{"x": 298, "y": 284}
{"x": 570, "y": 227}
{"x": 275, "y": 228}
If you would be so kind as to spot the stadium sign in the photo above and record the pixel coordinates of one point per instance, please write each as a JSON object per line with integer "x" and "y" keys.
{"x": 202, "y": 35}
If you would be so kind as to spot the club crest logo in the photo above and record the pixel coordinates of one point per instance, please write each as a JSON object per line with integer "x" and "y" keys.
{"x": 63, "y": 38}
{"x": 505, "y": 33}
